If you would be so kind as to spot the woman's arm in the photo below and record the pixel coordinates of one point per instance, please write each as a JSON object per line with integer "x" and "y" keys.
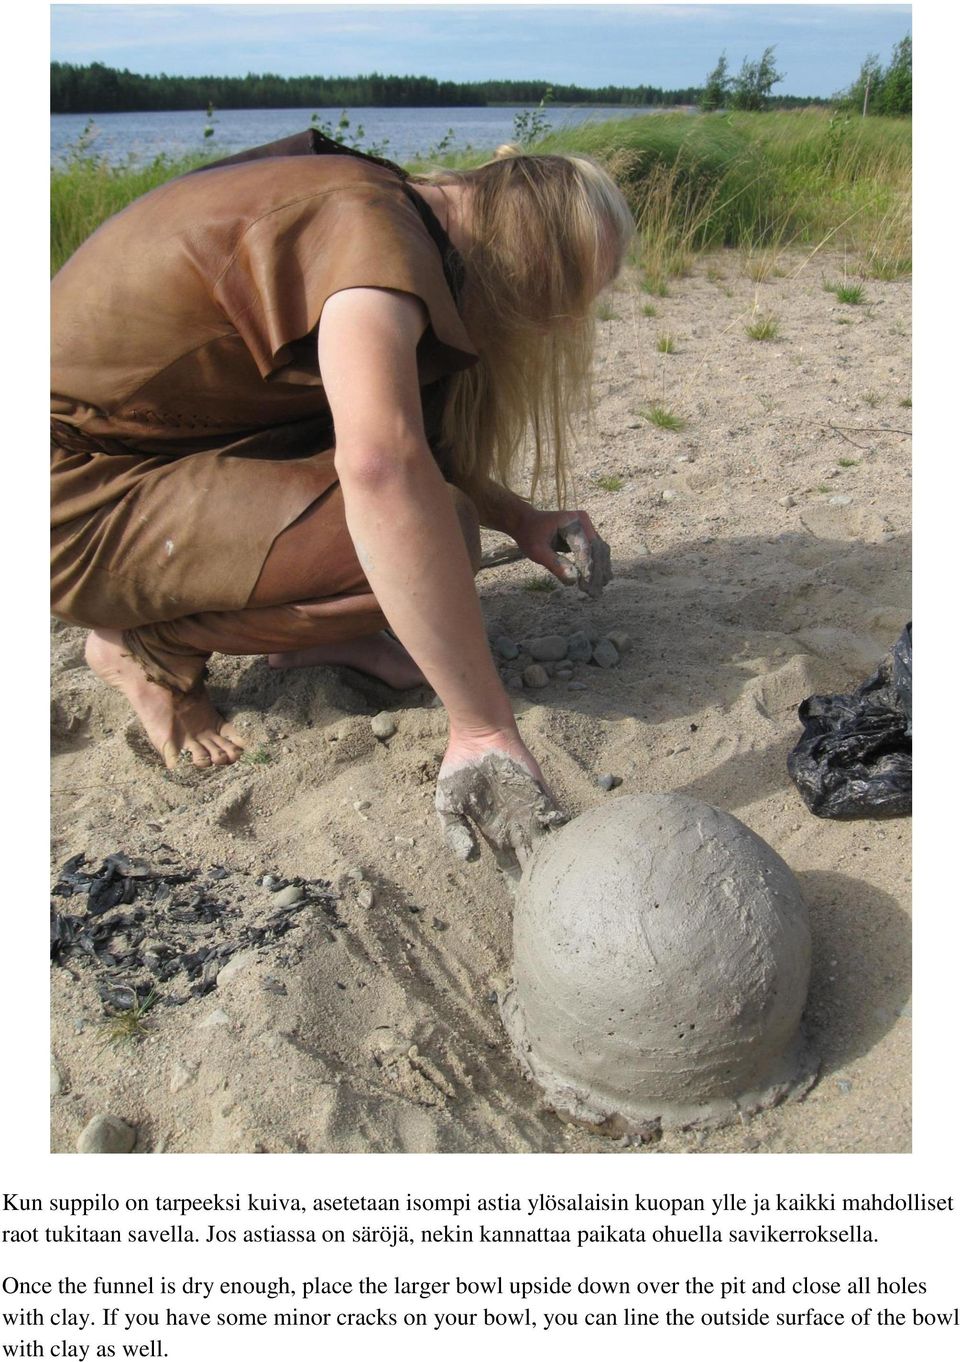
{"x": 402, "y": 520}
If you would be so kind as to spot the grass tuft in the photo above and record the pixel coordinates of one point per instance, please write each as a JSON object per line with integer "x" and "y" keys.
{"x": 541, "y": 584}
{"x": 765, "y": 327}
{"x": 666, "y": 344}
{"x": 610, "y": 483}
{"x": 129, "y": 1026}
{"x": 852, "y": 294}
{"x": 662, "y": 417}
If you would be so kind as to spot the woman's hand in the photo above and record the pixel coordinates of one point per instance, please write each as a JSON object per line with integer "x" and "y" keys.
{"x": 540, "y": 534}
{"x": 491, "y": 783}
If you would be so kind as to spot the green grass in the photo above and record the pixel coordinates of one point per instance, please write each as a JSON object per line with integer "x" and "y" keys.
{"x": 129, "y": 1026}
{"x": 872, "y": 399}
{"x": 610, "y": 483}
{"x": 848, "y": 463}
{"x": 666, "y": 344}
{"x": 541, "y": 584}
{"x": 763, "y": 328}
{"x": 758, "y": 182}
{"x": 606, "y": 313}
{"x": 259, "y": 756}
{"x": 906, "y": 402}
{"x": 649, "y": 310}
{"x": 852, "y": 294}
{"x": 662, "y": 417}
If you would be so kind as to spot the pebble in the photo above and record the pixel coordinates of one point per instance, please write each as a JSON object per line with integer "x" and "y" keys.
{"x": 668, "y": 494}
{"x": 286, "y": 898}
{"x": 56, "y": 1079}
{"x": 215, "y": 1018}
{"x": 180, "y": 1077}
{"x": 609, "y": 782}
{"x": 405, "y": 841}
{"x": 840, "y": 500}
{"x": 621, "y": 640}
{"x": 365, "y": 896}
{"x": 439, "y": 924}
{"x": 384, "y": 725}
{"x": 506, "y": 648}
{"x": 353, "y": 872}
{"x": 535, "y": 676}
{"x": 361, "y": 804}
{"x": 106, "y": 1134}
{"x": 515, "y": 683}
{"x": 579, "y": 647}
{"x": 844, "y": 1084}
{"x": 576, "y": 685}
{"x": 548, "y": 648}
{"x": 787, "y": 501}
{"x": 605, "y": 654}
{"x": 269, "y": 881}
{"x": 564, "y": 671}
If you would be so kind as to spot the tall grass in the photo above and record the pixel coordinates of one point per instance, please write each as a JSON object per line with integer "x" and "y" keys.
{"x": 756, "y": 181}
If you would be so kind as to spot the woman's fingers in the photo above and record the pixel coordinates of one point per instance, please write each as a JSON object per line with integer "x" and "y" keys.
{"x": 591, "y": 554}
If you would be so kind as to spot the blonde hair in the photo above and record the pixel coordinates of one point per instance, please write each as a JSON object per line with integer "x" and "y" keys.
{"x": 546, "y": 232}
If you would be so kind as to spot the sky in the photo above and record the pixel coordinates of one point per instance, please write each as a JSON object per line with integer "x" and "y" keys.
{"x": 818, "y": 48}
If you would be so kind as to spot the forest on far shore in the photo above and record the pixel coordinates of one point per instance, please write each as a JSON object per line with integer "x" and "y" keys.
{"x": 103, "y": 89}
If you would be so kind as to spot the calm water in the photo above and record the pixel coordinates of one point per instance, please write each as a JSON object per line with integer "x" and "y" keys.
{"x": 142, "y": 136}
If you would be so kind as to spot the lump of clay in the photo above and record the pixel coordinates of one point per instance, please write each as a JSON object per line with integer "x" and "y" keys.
{"x": 661, "y": 964}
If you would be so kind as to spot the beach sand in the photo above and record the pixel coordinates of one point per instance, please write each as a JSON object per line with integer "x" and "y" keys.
{"x": 762, "y": 554}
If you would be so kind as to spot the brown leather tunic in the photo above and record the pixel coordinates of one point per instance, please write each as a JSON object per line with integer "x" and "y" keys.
{"x": 190, "y": 425}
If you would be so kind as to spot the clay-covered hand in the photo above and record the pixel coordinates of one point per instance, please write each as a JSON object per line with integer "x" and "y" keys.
{"x": 494, "y": 795}
{"x": 544, "y": 535}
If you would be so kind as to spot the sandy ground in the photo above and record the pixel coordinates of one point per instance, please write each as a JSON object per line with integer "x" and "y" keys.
{"x": 762, "y": 554}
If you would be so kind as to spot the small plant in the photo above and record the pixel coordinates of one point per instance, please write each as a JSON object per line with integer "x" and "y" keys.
{"x": 541, "y": 584}
{"x": 662, "y": 417}
{"x": 666, "y": 344}
{"x": 441, "y": 148}
{"x": 848, "y": 463}
{"x": 851, "y": 294}
{"x": 649, "y": 310}
{"x": 656, "y": 285}
{"x": 128, "y": 1025}
{"x": 714, "y": 276}
{"x": 823, "y": 489}
{"x": 764, "y": 328}
{"x": 906, "y": 402}
{"x": 208, "y": 129}
{"x": 610, "y": 483}
{"x": 872, "y": 399}
{"x": 531, "y": 125}
{"x": 259, "y": 756}
{"x": 889, "y": 268}
{"x": 605, "y": 313}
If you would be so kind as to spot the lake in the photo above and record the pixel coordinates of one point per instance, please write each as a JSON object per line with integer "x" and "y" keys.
{"x": 119, "y": 137}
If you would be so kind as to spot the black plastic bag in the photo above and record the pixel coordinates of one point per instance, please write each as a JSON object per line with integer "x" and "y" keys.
{"x": 855, "y": 759}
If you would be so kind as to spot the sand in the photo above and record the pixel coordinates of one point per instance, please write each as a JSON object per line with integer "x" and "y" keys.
{"x": 762, "y": 555}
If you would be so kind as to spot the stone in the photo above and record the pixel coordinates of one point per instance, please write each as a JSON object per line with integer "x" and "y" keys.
{"x": 605, "y": 654}
{"x": 181, "y": 1077}
{"x": 579, "y": 647}
{"x": 365, "y": 896}
{"x": 609, "y": 782}
{"x": 515, "y": 683}
{"x": 384, "y": 725}
{"x": 237, "y": 963}
{"x": 506, "y": 648}
{"x": 787, "y": 501}
{"x": 286, "y": 898}
{"x": 661, "y": 966}
{"x": 621, "y": 640}
{"x": 577, "y": 685}
{"x": 106, "y": 1134}
{"x": 841, "y": 499}
{"x": 353, "y": 872}
{"x": 549, "y": 648}
{"x": 215, "y": 1018}
{"x": 668, "y": 494}
{"x": 269, "y": 881}
{"x": 56, "y": 1078}
{"x": 361, "y": 805}
{"x": 535, "y": 676}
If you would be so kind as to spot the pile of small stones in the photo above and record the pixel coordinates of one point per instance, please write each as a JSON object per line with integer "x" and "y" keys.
{"x": 533, "y": 663}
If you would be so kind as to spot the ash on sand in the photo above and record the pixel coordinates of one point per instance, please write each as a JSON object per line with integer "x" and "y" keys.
{"x": 745, "y": 592}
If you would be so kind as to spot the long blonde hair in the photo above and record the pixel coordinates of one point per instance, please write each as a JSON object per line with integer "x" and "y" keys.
{"x": 546, "y": 233}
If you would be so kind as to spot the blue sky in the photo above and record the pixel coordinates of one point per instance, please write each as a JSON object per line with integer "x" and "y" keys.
{"x": 818, "y": 47}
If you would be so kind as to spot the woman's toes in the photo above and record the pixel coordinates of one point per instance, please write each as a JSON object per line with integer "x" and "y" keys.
{"x": 231, "y": 739}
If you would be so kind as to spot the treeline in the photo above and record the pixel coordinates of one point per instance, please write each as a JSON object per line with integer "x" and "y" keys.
{"x": 885, "y": 90}
{"x": 103, "y": 89}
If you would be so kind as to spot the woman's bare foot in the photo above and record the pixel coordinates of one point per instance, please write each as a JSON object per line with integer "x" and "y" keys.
{"x": 174, "y": 722}
{"x": 378, "y": 655}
